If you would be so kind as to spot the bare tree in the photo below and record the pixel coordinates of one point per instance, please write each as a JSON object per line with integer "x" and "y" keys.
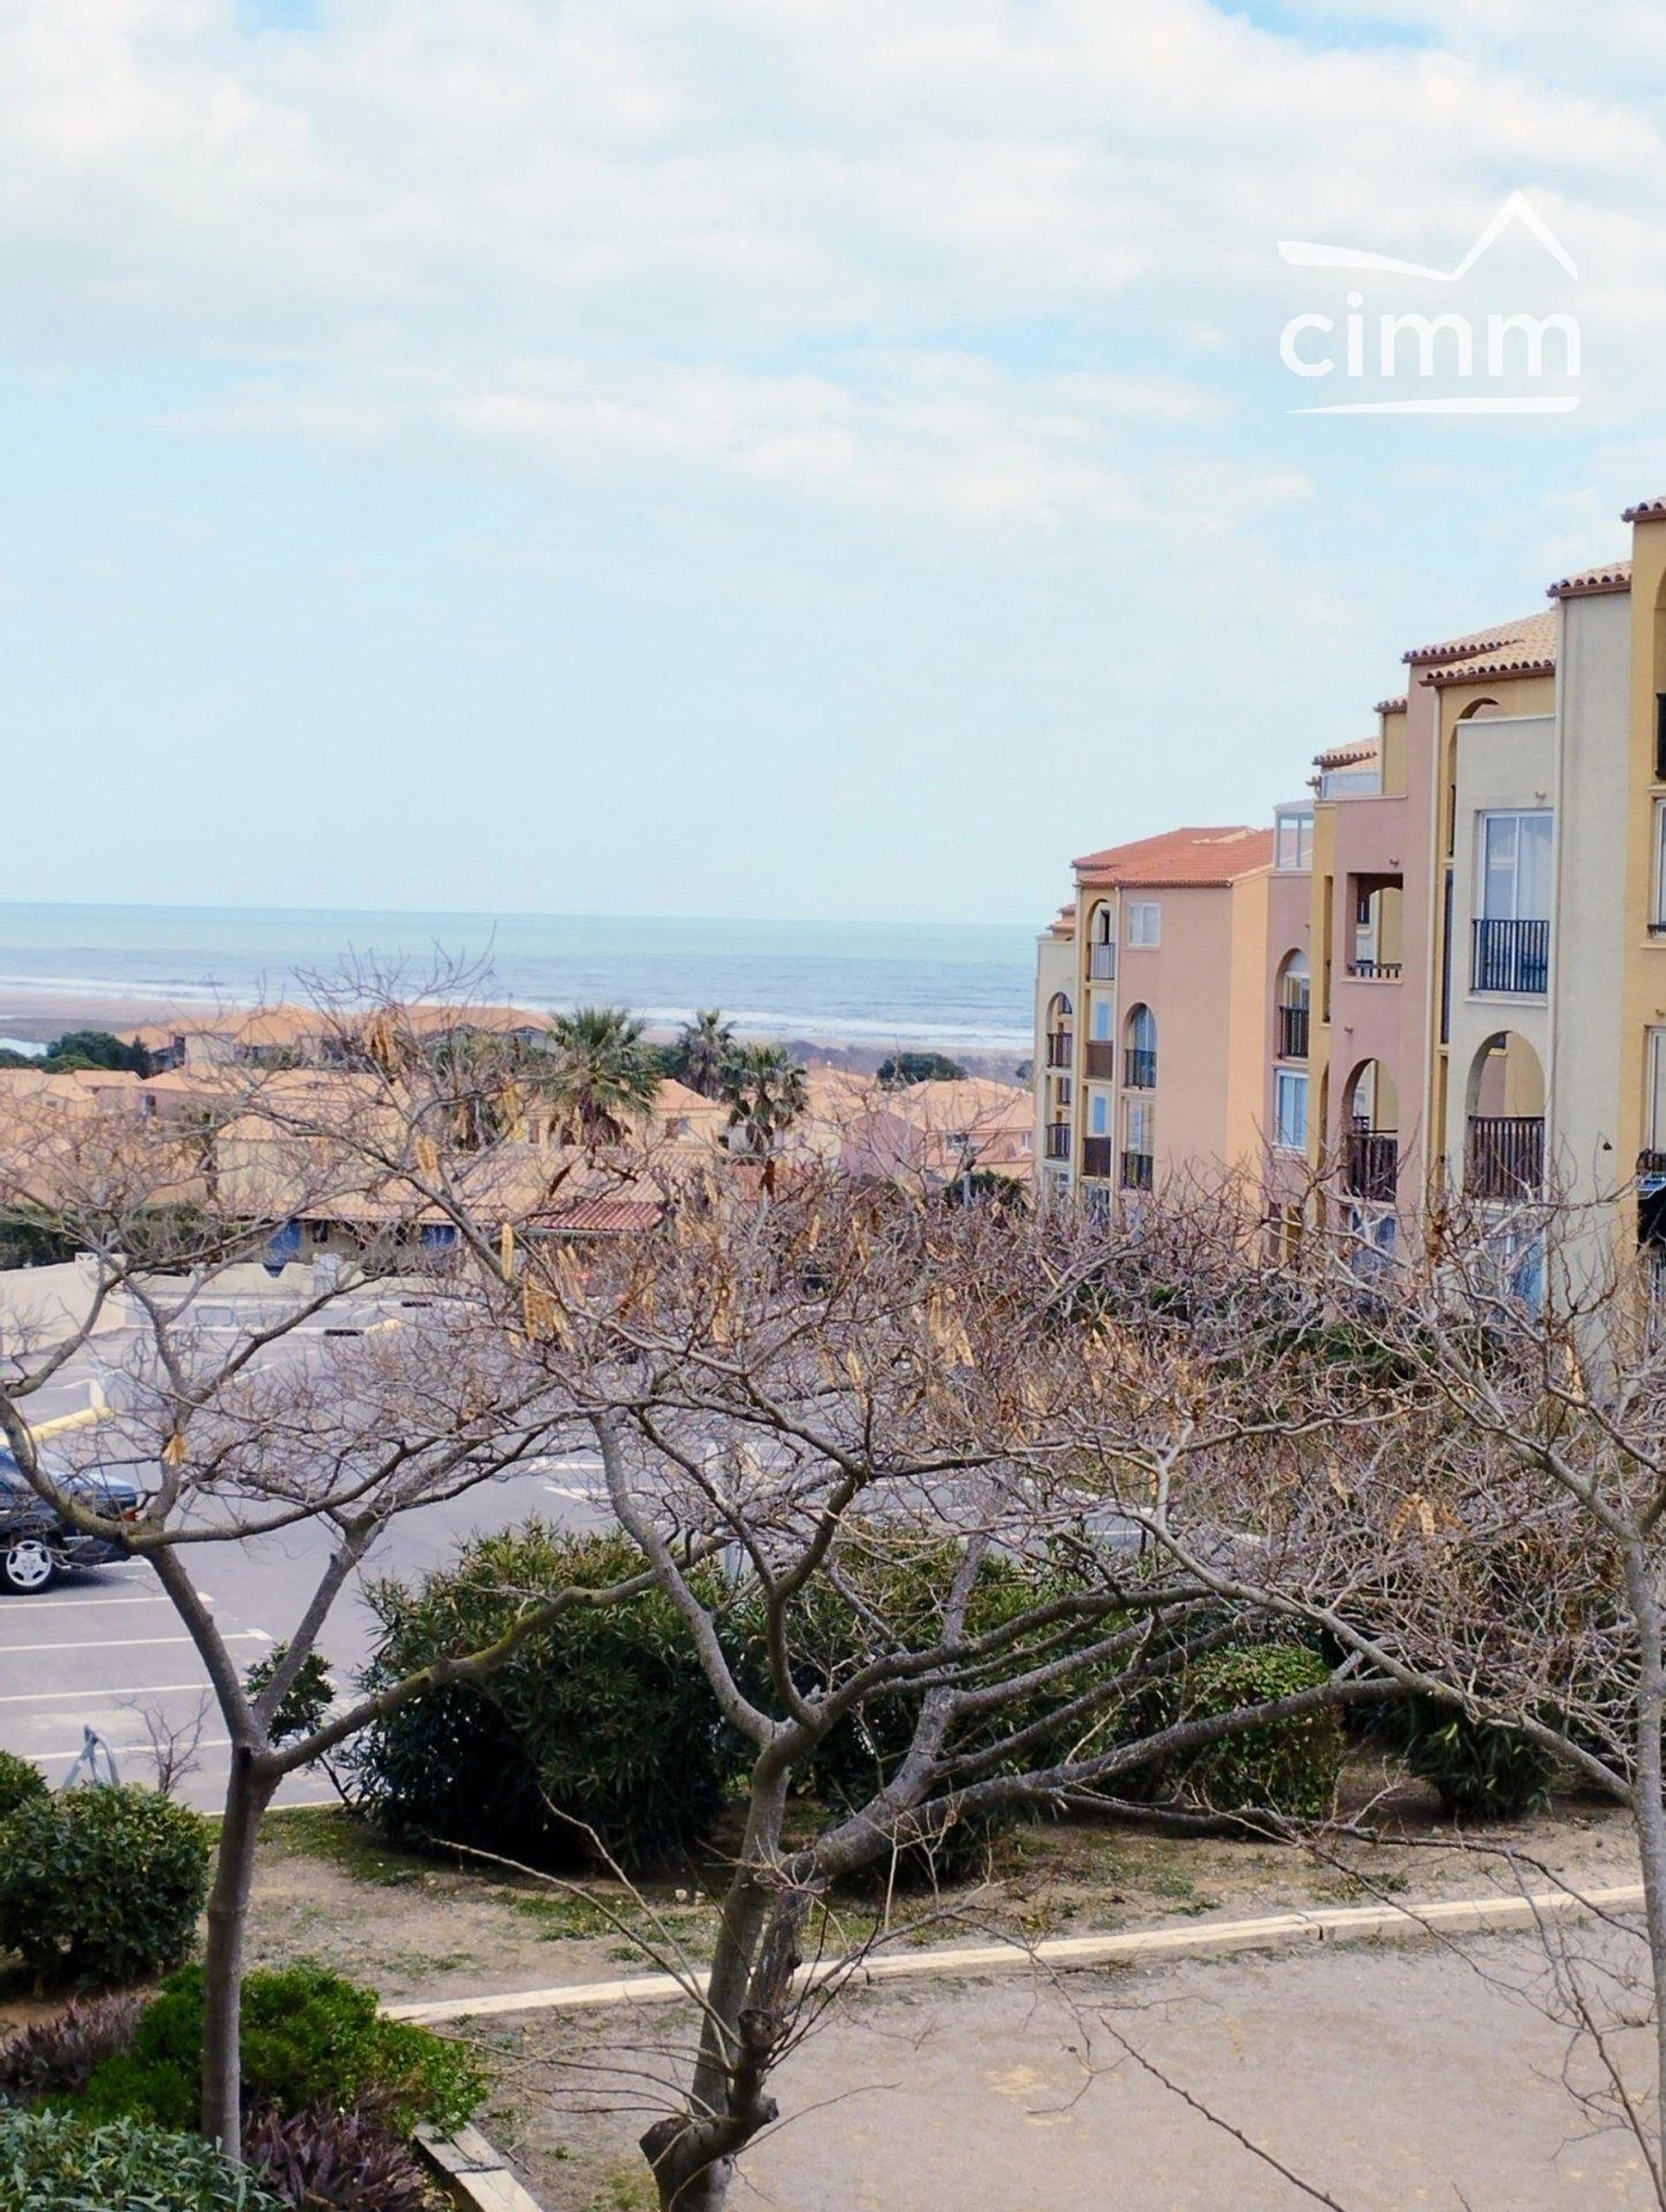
{"x": 836, "y": 1378}
{"x": 310, "y": 1409}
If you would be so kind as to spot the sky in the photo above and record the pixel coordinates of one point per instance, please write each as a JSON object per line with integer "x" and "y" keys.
{"x": 812, "y": 458}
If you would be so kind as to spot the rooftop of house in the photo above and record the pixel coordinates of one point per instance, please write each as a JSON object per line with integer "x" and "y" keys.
{"x": 1646, "y": 510}
{"x": 1527, "y": 648}
{"x": 1351, "y": 756}
{"x": 1181, "y": 859}
{"x": 1590, "y": 583}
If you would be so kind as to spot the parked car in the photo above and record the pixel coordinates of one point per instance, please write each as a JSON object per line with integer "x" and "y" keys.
{"x": 36, "y": 1544}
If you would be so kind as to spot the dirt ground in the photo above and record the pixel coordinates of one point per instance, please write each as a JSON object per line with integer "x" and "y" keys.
{"x": 413, "y": 1928}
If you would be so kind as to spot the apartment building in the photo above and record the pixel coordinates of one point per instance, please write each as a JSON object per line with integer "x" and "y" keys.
{"x": 1151, "y": 1008}
{"x": 1451, "y": 957}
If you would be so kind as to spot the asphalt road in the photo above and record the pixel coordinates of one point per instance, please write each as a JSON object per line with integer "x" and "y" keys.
{"x": 102, "y": 1649}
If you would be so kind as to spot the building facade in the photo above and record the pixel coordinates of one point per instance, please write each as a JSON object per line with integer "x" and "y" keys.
{"x": 1445, "y": 971}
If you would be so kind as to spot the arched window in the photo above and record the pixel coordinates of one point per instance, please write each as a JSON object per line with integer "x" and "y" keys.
{"x": 1295, "y": 995}
{"x": 1102, "y": 944}
{"x": 1504, "y": 1147}
{"x": 1139, "y": 1049}
{"x": 1371, "y": 1134}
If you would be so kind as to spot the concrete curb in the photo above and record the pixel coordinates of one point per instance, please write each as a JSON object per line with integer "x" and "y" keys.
{"x": 475, "y": 2176}
{"x": 1199, "y": 1939}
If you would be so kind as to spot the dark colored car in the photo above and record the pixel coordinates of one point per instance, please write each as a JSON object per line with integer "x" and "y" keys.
{"x": 35, "y": 1545}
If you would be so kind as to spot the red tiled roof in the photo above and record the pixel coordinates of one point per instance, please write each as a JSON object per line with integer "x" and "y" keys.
{"x": 1180, "y": 857}
{"x": 1477, "y": 644}
{"x": 1528, "y": 649}
{"x": 1392, "y": 706}
{"x": 1588, "y": 583}
{"x": 1646, "y": 510}
{"x": 1345, "y": 756}
{"x": 602, "y": 1217}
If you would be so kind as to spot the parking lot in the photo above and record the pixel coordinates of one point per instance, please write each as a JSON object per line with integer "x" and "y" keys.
{"x": 104, "y": 1649}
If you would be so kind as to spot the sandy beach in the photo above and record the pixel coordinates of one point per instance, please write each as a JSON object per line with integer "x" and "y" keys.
{"x": 37, "y": 1017}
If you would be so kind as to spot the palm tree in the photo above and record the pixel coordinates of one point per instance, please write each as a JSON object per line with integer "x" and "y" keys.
{"x": 603, "y": 1077}
{"x": 704, "y": 1052}
{"x": 767, "y": 1090}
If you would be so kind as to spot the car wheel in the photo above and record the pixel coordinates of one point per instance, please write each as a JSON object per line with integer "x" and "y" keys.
{"x": 27, "y": 1565}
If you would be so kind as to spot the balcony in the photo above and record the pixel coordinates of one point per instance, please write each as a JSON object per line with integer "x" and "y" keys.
{"x": 1374, "y": 971}
{"x": 1512, "y": 957}
{"x": 1062, "y": 1088}
{"x": 1096, "y": 1156}
{"x": 1371, "y": 1165}
{"x": 1139, "y": 1070}
{"x": 1058, "y": 1044}
{"x": 1102, "y": 963}
{"x": 1505, "y": 1158}
{"x": 1056, "y": 1142}
{"x": 1293, "y": 1032}
{"x": 1101, "y": 1059}
{"x": 1137, "y": 1170}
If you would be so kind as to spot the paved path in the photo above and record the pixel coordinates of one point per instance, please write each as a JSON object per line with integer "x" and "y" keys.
{"x": 1401, "y": 2079}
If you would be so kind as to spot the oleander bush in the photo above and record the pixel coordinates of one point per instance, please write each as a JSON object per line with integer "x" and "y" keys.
{"x": 892, "y": 1597}
{"x": 55, "y": 2162}
{"x": 1289, "y": 1766}
{"x": 324, "y": 2159}
{"x": 308, "y": 2037}
{"x": 20, "y": 1780}
{"x": 61, "y": 2054}
{"x": 1482, "y": 1770}
{"x": 607, "y": 1717}
{"x": 101, "y": 1886}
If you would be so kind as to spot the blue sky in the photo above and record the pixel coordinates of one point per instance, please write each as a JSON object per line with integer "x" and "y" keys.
{"x": 758, "y": 457}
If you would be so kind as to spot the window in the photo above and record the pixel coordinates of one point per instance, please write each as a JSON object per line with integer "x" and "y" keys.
{"x": 1660, "y": 737}
{"x": 1515, "y": 867}
{"x": 1145, "y": 922}
{"x": 1294, "y": 842}
{"x": 1657, "y": 925}
{"x": 1291, "y": 1111}
{"x": 1654, "y": 1118}
{"x": 1101, "y": 1022}
{"x": 1098, "y": 1114}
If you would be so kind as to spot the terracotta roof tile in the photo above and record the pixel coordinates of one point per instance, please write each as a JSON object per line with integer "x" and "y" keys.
{"x": 1588, "y": 583}
{"x": 1528, "y": 651}
{"x": 1347, "y": 756}
{"x": 1178, "y": 858}
{"x": 1478, "y": 644}
{"x": 1392, "y": 706}
{"x": 1646, "y": 510}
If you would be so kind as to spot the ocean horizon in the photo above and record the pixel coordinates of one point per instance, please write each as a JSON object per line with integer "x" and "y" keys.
{"x": 927, "y": 983}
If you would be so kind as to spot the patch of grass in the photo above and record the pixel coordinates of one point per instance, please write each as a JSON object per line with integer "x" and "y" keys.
{"x": 563, "y": 1915}
{"x": 623, "y": 2190}
{"x": 337, "y": 1838}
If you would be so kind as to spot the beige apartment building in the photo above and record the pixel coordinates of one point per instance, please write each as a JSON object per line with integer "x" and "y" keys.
{"x": 1445, "y": 969}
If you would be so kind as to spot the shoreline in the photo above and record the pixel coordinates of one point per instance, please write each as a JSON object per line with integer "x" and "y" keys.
{"x": 35, "y": 1016}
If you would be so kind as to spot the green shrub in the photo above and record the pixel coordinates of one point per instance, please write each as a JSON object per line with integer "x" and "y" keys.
{"x": 102, "y": 1886}
{"x": 20, "y": 1780}
{"x": 1483, "y": 1771}
{"x": 308, "y": 2037}
{"x": 305, "y": 1705}
{"x": 897, "y": 1584}
{"x": 1286, "y": 1766}
{"x": 55, "y": 2162}
{"x": 608, "y": 1716}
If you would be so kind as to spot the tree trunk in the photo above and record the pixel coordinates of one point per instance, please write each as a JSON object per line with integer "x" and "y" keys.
{"x": 247, "y": 1797}
{"x": 1649, "y": 1820}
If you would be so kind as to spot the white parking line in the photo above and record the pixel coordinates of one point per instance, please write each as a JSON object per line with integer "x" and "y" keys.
{"x": 571, "y": 1490}
{"x": 132, "y": 1642}
{"x": 49, "y": 1605}
{"x": 150, "y": 1689}
{"x": 128, "y": 1750}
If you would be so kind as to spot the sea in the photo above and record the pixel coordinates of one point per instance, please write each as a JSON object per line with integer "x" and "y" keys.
{"x": 941, "y": 985}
